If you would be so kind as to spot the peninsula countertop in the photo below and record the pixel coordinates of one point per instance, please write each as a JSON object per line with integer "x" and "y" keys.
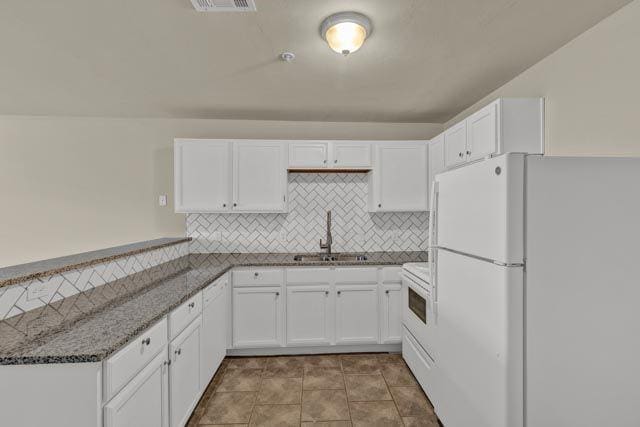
{"x": 154, "y": 293}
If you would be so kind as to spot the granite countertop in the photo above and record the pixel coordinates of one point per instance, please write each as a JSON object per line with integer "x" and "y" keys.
{"x": 33, "y": 270}
{"x": 108, "y": 328}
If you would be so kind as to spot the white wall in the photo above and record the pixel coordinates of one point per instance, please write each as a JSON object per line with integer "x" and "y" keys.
{"x": 592, "y": 89}
{"x": 71, "y": 185}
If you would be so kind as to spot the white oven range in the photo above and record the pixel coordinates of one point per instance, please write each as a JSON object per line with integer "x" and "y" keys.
{"x": 419, "y": 344}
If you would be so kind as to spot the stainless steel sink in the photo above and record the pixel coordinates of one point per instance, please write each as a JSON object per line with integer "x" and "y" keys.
{"x": 330, "y": 258}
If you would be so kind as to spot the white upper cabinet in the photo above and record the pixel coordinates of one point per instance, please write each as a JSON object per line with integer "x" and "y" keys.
{"x": 308, "y": 154}
{"x": 329, "y": 154}
{"x": 230, "y": 176}
{"x": 259, "y": 176}
{"x": 455, "y": 145}
{"x": 398, "y": 181}
{"x": 507, "y": 125}
{"x": 482, "y": 136}
{"x": 202, "y": 171}
{"x": 348, "y": 154}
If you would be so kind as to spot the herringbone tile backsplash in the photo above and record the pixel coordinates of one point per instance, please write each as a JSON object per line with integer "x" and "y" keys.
{"x": 15, "y": 301}
{"x": 310, "y": 196}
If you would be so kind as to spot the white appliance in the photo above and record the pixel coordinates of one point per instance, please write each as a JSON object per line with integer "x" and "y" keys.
{"x": 417, "y": 321}
{"x": 535, "y": 292}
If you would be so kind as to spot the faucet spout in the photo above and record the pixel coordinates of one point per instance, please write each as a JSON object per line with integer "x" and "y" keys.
{"x": 329, "y": 241}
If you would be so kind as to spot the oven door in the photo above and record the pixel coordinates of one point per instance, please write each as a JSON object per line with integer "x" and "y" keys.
{"x": 417, "y": 314}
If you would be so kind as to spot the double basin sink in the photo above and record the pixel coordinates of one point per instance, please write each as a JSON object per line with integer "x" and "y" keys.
{"x": 330, "y": 258}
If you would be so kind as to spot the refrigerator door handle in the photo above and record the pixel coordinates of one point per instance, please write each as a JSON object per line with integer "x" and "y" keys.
{"x": 433, "y": 216}
{"x": 433, "y": 251}
{"x": 433, "y": 279}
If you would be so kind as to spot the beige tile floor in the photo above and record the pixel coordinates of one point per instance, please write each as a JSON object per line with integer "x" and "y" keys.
{"x": 321, "y": 390}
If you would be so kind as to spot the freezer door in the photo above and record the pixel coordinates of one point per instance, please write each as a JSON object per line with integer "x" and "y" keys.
{"x": 480, "y": 342}
{"x": 480, "y": 209}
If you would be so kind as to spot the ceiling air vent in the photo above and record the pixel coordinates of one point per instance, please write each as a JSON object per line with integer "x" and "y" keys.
{"x": 224, "y": 5}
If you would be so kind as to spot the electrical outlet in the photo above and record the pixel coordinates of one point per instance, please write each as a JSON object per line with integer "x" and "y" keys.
{"x": 283, "y": 236}
{"x": 162, "y": 200}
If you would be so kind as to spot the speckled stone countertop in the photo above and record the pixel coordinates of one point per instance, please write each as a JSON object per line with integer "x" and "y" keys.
{"x": 108, "y": 328}
{"x": 33, "y": 270}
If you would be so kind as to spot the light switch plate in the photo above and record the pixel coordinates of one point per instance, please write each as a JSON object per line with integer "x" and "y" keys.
{"x": 162, "y": 200}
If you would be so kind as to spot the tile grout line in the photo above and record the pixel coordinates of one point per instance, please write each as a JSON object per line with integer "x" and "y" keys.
{"x": 346, "y": 392}
{"x": 393, "y": 399}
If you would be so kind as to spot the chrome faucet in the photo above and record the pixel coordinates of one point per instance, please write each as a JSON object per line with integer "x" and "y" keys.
{"x": 329, "y": 242}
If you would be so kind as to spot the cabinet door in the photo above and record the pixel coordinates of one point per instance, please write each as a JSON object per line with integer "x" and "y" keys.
{"x": 391, "y": 314}
{"x": 257, "y": 317}
{"x": 309, "y": 315}
{"x": 184, "y": 373}
{"x": 436, "y": 158}
{"x": 143, "y": 401}
{"x": 350, "y": 154}
{"x": 455, "y": 145}
{"x": 357, "y": 314}
{"x": 482, "y": 133}
{"x": 214, "y": 333}
{"x": 400, "y": 177}
{"x": 308, "y": 154}
{"x": 202, "y": 180}
{"x": 259, "y": 176}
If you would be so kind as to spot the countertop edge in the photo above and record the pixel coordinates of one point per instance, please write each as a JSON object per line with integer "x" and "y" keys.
{"x": 98, "y": 260}
{"x": 100, "y": 356}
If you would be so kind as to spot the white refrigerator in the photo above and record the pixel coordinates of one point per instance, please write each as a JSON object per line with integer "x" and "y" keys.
{"x": 535, "y": 294}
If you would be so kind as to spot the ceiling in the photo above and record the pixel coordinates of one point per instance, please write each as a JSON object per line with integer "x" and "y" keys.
{"x": 425, "y": 61}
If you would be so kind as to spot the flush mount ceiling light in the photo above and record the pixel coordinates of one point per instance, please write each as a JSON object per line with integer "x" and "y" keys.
{"x": 345, "y": 32}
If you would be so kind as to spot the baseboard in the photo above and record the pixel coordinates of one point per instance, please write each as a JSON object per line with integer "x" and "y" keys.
{"x": 277, "y": 351}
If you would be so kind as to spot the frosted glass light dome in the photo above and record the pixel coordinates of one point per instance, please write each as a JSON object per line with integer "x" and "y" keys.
{"x": 345, "y": 32}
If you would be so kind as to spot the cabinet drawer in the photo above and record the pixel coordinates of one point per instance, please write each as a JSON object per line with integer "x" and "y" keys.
{"x": 183, "y": 315}
{"x": 420, "y": 363}
{"x": 213, "y": 290}
{"x": 308, "y": 275}
{"x": 356, "y": 275}
{"x": 258, "y": 277}
{"x": 120, "y": 368}
{"x": 391, "y": 275}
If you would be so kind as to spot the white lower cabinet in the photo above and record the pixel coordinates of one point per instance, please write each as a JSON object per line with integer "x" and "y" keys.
{"x": 357, "y": 314}
{"x": 257, "y": 316}
{"x": 309, "y": 315}
{"x": 156, "y": 381}
{"x": 391, "y": 314}
{"x": 320, "y": 307}
{"x": 213, "y": 345}
{"x": 143, "y": 401}
{"x": 184, "y": 373}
